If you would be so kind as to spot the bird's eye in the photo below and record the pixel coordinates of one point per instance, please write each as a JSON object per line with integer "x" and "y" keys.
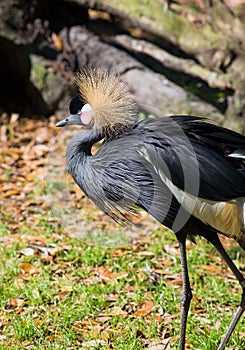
{"x": 67, "y": 119}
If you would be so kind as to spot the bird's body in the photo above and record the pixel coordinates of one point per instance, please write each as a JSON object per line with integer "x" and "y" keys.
{"x": 188, "y": 174}
{"x": 218, "y": 203}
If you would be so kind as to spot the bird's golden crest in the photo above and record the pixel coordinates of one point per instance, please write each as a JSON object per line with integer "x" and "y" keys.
{"x": 112, "y": 104}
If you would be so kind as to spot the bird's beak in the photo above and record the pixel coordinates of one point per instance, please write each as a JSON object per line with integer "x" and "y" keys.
{"x": 73, "y": 119}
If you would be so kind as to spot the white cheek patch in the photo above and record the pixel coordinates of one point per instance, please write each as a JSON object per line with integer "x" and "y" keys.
{"x": 86, "y": 114}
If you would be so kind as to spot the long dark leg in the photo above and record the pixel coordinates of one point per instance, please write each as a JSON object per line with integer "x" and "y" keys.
{"x": 186, "y": 294}
{"x": 241, "y": 308}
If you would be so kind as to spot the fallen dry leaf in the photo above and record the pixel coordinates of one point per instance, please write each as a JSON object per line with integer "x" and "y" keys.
{"x": 145, "y": 253}
{"x": 10, "y": 193}
{"x": 112, "y": 297}
{"x": 15, "y": 302}
{"x": 145, "y": 309}
{"x": 65, "y": 289}
{"x": 170, "y": 249}
{"x": 57, "y": 41}
{"x": 27, "y": 251}
{"x": 19, "y": 283}
{"x": 3, "y": 134}
{"x": 107, "y": 275}
{"x": 94, "y": 344}
{"x": 211, "y": 268}
{"x": 35, "y": 240}
{"x": 117, "y": 311}
{"x": 40, "y": 150}
{"x": 159, "y": 346}
{"x": 28, "y": 268}
{"x": 42, "y": 135}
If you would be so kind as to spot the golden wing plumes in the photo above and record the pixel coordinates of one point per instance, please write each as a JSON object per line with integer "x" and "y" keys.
{"x": 112, "y": 104}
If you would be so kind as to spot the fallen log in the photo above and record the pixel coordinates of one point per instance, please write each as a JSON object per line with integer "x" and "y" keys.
{"x": 152, "y": 90}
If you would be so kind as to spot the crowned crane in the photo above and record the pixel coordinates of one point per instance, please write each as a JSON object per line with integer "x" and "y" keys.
{"x": 187, "y": 173}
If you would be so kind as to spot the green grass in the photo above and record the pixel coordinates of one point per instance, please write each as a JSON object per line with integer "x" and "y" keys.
{"x": 66, "y": 304}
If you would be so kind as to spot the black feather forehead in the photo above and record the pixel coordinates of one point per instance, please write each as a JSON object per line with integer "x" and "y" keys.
{"x": 112, "y": 103}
